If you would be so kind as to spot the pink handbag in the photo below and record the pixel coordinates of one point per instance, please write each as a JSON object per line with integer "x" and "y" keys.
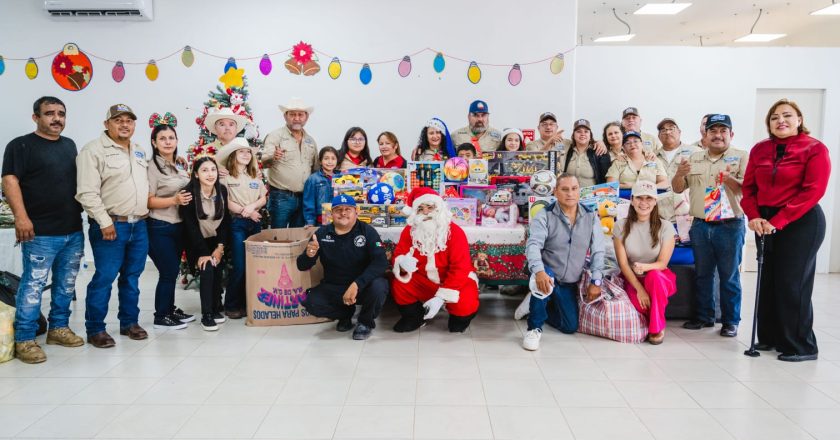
{"x": 611, "y": 315}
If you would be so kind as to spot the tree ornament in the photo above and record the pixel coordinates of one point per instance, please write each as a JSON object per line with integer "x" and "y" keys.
{"x": 365, "y": 75}
{"x": 439, "y": 63}
{"x": 31, "y": 69}
{"x": 265, "y": 65}
{"x": 474, "y": 73}
{"x": 515, "y": 75}
{"x": 71, "y": 68}
{"x": 334, "y": 69}
{"x": 557, "y": 64}
{"x": 187, "y": 56}
{"x": 404, "y": 69}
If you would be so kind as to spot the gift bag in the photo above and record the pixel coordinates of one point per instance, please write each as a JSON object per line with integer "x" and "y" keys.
{"x": 611, "y": 315}
{"x": 716, "y": 203}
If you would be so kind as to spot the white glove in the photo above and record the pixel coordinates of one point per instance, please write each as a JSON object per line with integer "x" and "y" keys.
{"x": 408, "y": 263}
{"x": 432, "y": 307}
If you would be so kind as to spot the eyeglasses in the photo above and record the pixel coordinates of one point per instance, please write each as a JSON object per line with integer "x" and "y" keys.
{"x": 357, "y": 140}
{"x": 548, "y": 124}
{"x": 668, "y": 129}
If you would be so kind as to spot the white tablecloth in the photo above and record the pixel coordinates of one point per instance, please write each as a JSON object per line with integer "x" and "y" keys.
{"x": 10, "y": 255}
{"x": 514, "y": 235}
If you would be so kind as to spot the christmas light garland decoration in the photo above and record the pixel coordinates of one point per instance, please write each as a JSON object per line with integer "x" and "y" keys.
{"x": 302, "y": 60}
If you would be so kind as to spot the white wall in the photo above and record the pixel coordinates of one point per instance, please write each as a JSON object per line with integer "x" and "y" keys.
{"x": 685, "y": 83}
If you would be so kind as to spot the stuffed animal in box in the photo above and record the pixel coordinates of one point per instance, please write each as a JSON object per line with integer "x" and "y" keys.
{"x": 607, "y": 211}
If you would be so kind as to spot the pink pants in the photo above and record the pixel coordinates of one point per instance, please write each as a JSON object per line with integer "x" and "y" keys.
{"x": 659, "y": 284}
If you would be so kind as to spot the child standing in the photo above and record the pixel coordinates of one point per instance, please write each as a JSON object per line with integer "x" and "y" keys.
{"x": 318, "y": 187}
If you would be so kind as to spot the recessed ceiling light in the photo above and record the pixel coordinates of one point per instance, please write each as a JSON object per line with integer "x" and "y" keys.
{"x": 615, "y": 38}
{"x": 833, "y": 9}
{"x": 662, "y": 8}
{"x": 759, "y": 38}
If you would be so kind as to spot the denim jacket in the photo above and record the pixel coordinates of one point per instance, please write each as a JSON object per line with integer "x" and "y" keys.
{"x": 316, "y": 190}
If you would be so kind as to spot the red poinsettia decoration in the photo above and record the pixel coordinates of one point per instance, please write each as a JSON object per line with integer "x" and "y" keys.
{"x": 302, "y": 52}
{"x": 62, "y": 64}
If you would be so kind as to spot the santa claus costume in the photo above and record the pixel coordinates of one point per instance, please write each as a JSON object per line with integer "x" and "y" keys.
{"x": 432, "y": 266}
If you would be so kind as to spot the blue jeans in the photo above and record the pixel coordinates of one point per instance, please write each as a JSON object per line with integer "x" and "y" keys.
{"x": 560, "y": 309}
{"x": 718, "y": 247}
{"x": 285, "y": 208}
{"x": 240, "y": 229}
{"x": 125, "y": 256}
{"x": 165, "y": 248}
{"x": 60, "y": 253}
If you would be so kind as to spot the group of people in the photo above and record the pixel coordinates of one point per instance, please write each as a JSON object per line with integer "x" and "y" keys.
{"x": 139, "y": 205}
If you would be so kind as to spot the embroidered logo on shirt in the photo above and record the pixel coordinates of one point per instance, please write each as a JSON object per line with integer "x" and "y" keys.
{"x": 328, "y": 239}
{"x": 359, "y": 241}
{"x": 731, "y": 159}
{"x": 139, "y": 155}
{"x": 253, "y": 185}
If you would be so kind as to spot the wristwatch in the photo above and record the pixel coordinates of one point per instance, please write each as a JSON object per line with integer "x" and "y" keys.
{"x": 596, "y": 282}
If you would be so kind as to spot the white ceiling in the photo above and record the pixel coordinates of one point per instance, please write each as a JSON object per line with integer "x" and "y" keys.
{"x": 718, "y": 22}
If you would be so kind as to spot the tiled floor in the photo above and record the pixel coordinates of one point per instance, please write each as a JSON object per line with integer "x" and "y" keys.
{"x": 311, "y": 382}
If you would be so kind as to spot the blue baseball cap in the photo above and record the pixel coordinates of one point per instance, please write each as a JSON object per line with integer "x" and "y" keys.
{"x": 479, "y": 106}
{"x": 629, "y": 134}
{"x": 343, "y": 200}
{"x": 717, "y": 119}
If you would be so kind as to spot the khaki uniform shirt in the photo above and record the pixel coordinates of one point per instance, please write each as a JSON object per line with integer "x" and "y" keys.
{"x": 684, "y": 152}
{"x": 489, "y": 140}
{"x": 580, "y": 167}
{"x": 650, "y": 142}
{"x": 703, "y": 173}
{"x": 300, "y": 159}
{"x": 669, "y": 201}
{"x": 347, "y": 164}
{"x": 112, "y": 180}
{"x": 166, "y": 184}
{"x": 208, "y": 226}
{"x": 626, "y": 175}
{"x": 429, "y": 155}
{"x": 539, "y": 145}
{"x": 244, "y": 190}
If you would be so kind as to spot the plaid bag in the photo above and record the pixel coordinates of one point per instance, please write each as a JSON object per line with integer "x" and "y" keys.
{"x": 611, "y": 315}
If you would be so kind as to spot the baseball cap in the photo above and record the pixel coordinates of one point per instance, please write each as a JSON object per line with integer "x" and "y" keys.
{"x": 629, "y": 134}
{"x": 479, "y": 106}
{"x": 119, "y": 109}
{"x": 629, "y": 111}
{"x": 343, "y": 200}
{"x": 718, "y": 119}
{"x": 666, "y": 121}
{"x": 644, "y": 188}
{"x": 548, "y": 115}
{"x": 581, "y": 123}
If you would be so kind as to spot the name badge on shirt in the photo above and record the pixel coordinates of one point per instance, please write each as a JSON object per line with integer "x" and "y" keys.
{"x": 253, "y": 185}
{"x": 731, "y": 159}
{"x": 650, "y": 164}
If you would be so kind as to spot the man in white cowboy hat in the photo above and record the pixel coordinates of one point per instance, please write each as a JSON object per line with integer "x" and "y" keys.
{"x": 291, "y": 155}
{"x": 225, "y": 125}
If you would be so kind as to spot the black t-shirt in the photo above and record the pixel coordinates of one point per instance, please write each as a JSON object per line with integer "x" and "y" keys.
{"x": 46, "y": 171}
{"x": 355, "y": 256}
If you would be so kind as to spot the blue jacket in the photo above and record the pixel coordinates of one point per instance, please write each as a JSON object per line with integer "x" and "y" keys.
{"x": 316, "y": 190}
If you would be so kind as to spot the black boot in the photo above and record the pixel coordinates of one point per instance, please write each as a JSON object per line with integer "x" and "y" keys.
{"x": 459, "y": 324}
{"x": 412, "y": 318}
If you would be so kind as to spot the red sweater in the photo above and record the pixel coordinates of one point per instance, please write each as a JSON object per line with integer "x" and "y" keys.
{"x": 795, "y": 183}
{"x": 397, "y": 162}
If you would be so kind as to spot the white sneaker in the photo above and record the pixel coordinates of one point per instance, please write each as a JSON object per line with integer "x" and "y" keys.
{"x": 531, "y": 341}
{"x": 524, "y": 308}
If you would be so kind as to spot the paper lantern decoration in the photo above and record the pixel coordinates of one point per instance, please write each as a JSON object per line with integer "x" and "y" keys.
{"x": 31, "y": 69}
{"x": 557, "y": 64}
{"x": 152, "y": 71}
{"x": 230, "y": 64}
{"x": 439, "y": 63}
{"x": 233, "y": 78}
{"x": 365, "y": 75}
{"x": 515, "y": 75}
{"x": 2, "y": 65}
{"x": 405, "y": 66}
{"x": 187, "y": 56}
{"x": 265, "y": 65}
{"x": 474, "y": 73}
{"x": 71, "y": 68}
{"x": 118, "y": 72}
{"x": 334, "y": 69}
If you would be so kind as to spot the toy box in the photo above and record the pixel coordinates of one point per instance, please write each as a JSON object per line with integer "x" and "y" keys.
{"x": 425, "y": 173}
{"x": 478, "y": 172}
{"x": 520, "y": 163}
{"x": 351, "y": 184}
{"x": 500, "y": 211}
{"x": 481, "y": 193}
{"x": 396, "y": 217}
{"x": 374, "y": 215}
{"x": 463, "y": 211}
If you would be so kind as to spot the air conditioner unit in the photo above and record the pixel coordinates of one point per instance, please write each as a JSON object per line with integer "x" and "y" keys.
{"x": 112, "y": 10}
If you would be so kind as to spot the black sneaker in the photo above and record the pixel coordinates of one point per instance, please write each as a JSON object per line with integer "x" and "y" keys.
{"x": 169, "y": 322}
{"x": 344, "y": 325}
{"x": 218, "y": 317}
{"x": 179, "y": 315}
{"x": 729, "y": 330}
{"x": 696, "y": 324}
{"x": 208, "y": 323}
{"x": 361, "y": 332}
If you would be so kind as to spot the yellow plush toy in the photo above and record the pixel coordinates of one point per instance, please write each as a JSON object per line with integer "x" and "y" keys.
{"x": 607, "y": 211}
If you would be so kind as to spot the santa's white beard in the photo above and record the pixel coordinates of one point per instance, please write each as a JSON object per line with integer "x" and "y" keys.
{"x": 429, "y": 233}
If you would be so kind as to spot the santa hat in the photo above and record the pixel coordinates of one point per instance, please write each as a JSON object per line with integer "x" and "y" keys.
{"x": 419, "y": 196}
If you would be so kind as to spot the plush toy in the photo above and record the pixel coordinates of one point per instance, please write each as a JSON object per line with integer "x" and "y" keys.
{"x": 607, "y": 211}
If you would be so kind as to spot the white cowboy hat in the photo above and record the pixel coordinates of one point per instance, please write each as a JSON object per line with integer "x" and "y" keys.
{"x": 296, "y": 104}
{"x": 224, "y": 113}
{"x": 237, "y": 143}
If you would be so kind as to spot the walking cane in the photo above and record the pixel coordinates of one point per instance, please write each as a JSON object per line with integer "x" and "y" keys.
{"x": 752, "y": 352}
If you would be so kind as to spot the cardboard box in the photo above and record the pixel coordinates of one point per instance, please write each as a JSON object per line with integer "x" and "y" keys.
{"x": 274, "y": 287}
{"x": 520, "y": 163}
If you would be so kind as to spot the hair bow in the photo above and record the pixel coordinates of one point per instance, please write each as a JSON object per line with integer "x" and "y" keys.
{"x": 167, "y": 119}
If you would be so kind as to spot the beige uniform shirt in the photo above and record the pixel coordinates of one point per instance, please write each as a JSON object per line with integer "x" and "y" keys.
{"x": 669, "y": 201}
{"x": 489, "y": 140}
{"x": 166, "y": 184}
{"x": 209, "y": 225}
{"x": 626, "y": 174}
{"x": 300, "y": 159}
{"x": 429, "y": 155}
{"x": 650, "y": 142}
{"x": 347, "y": 164}
{"x": 539, "y": 145}
{"x": 112, "y": 180}
{"x": 244, "y": 190}
{"x": 580, "y": 167}
{"x": 704, "y": 171}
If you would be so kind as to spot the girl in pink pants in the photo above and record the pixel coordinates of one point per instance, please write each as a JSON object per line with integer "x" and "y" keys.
{"x": 644, "y": 243}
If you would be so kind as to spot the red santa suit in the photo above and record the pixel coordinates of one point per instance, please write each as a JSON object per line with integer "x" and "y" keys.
{"x": 424, "y": 271}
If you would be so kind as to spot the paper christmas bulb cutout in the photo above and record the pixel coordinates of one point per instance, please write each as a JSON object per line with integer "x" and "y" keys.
{"x": 334, "y": 69}
{"x": 557, "y": 64}
{"x": 152, "y": 71}
{"x": 71, "y": 68}
{"x": 515, "y": 75}
{"x": 265, "y": 65}
{"x": 404, "y": 69}
{"x": 31, "y": 69}
{"x": 474, "y": 73}
{"x": 187, "y": 56}
{"x": 118, "y": 72}
{"x": 365, "y": 75}
{"x": 439, "y": 63}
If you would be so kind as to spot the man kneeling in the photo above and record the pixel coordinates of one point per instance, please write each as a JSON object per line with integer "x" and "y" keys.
{"x": 432, "y": 267}
{"x": 354, "y": 267}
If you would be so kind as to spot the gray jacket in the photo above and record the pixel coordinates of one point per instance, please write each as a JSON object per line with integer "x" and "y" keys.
{"x": 553, "y": 242}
